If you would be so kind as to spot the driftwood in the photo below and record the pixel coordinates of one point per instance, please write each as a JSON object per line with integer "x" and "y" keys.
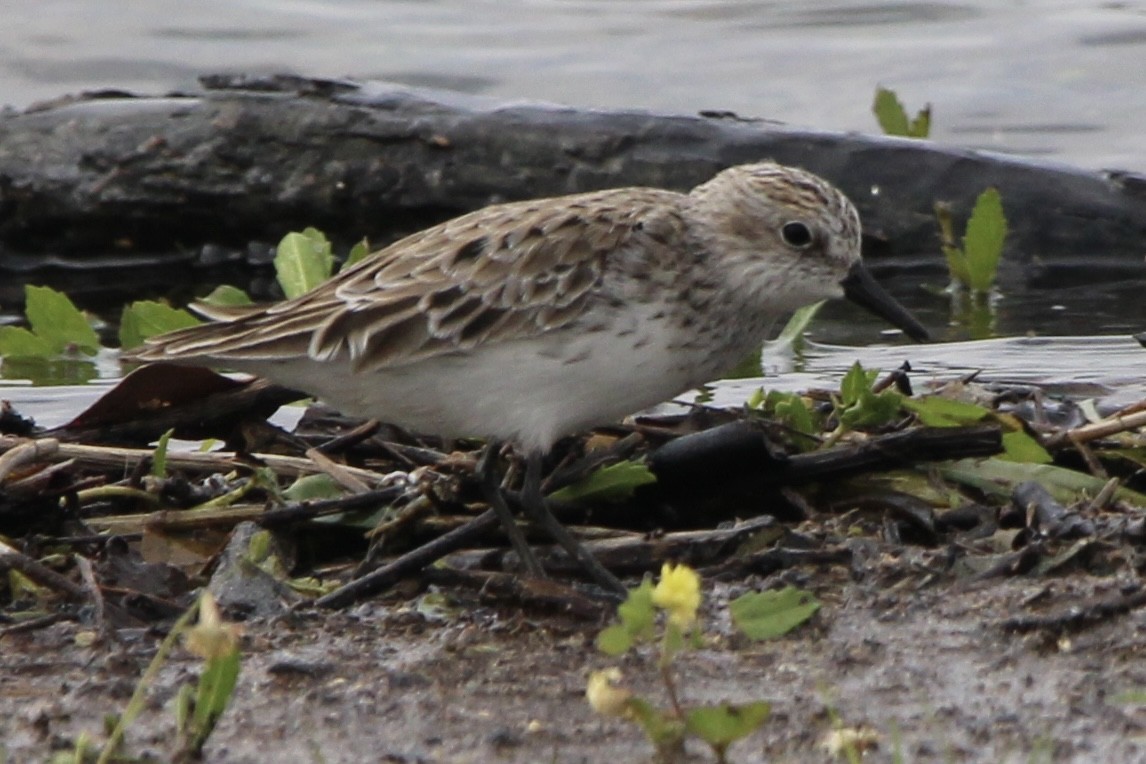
{"x": 247, "y": 160}
{"x": 738, "y": 459}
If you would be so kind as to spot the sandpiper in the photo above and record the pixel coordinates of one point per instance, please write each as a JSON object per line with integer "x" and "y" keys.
{"x": 529, "y": 321}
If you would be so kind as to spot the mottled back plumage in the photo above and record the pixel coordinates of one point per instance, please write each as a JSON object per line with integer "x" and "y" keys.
{"x": 513, "y": 271}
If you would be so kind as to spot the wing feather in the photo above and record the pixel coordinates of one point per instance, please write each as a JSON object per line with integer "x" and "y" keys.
{"x": 505, "y": 272}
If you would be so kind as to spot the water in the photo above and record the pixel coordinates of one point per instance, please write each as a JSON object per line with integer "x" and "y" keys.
{"x": 1042, "y": 77}
{"x": 1053, "y": 77}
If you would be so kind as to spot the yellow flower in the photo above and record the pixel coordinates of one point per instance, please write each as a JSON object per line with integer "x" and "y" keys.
{"x": 605, "y": 696}
{"x": 212, "y": 637}
{"x": 678, "y": 592}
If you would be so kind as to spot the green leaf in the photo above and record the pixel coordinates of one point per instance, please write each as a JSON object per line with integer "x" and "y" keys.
{"x": 57, "y": 320}
{"x": 889, "y": 112}
{"x": 956, "y": 261}
{"x": 793, "y": 331}
{"x": 872, "y": 410}
{"x": 853, "y": 385}
{"x": 957, "y": 265}
{"x": 637, "y": 612}
{"x": 892, "y": 117}
{"x": 722, "y": 725}
{"x": 357, "y": 252}
{"x": 793, "y": 412}
{"x": 159, "y": 458}
{"x": 767, "y": 615}
{"x": 613, "y": 483}
{"x": 227, "y": 296}
{"x": 17, "y": 342}
{"x": 312, "y": 487}
{"x": 937, "y": 411}
{"x": 303, "y": 261}
{"x": 662, "y": 728}
{"x": 637, "y": 616}
{"x": 216, "y": 685}
{"x": 858, "y": 406}
{"x": 1018, "y": 446}
{"x": 983, "y": 242}
{"x": 920, "y": 127}
{"x": 148, "y": 318}
{"x": 184, "y": 700}
{"x": 998, "y": 477}
{"x": 614, "y": 640}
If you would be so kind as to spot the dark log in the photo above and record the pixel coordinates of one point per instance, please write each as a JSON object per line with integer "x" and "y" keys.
{"x": 631, "y": 554}
{"x": 741, "y": 449}
{"x": 247, "y": 160}
{"x": 898, "y": 449}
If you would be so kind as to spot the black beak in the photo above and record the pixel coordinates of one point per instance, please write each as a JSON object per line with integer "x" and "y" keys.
{"x": 863, "y": 290}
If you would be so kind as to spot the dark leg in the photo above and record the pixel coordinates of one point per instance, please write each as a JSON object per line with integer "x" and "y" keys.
{"x": 491, "y": 486}
{"x": 534, "y": 504}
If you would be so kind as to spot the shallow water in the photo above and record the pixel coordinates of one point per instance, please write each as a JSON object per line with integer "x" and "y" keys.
{"x": 1043, "y": 77}
{"x": 1053, "y": 77}
{"x": 1108, "y": 369}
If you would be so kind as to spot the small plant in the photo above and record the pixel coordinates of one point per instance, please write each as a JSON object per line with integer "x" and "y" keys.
{"x": 893, "y": 119}
{"x": 198, "y": 708}
{"x": 676, "y": 597}
{"x": 858, "y": 405}
{"x": 60, "y": 337}
{"x": 303, "y": 260}
{"x": 803, "y": 422}
{"x": 56, "y": 328}
{"x": 975, "y": 265}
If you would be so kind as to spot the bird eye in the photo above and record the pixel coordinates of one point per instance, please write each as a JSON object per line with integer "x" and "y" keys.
{"x": 796, "y": 234}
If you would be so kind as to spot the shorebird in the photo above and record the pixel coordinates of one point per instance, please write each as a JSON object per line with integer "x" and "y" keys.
{"x": 529, "y": 321}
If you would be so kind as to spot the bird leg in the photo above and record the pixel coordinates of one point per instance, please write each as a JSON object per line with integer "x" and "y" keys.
{"x": 533, "y": 502}
{"x": 491, "y": 486}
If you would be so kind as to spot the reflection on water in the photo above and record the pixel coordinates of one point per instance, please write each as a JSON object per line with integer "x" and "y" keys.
{"x": 1009, "y": 75}
{"x": 1107, "y": 368}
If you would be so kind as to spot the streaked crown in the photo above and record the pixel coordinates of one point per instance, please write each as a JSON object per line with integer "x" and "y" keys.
{"x": 793, "y": 235}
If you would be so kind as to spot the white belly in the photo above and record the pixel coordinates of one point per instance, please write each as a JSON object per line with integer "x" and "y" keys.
{"x": 529, "y": 391}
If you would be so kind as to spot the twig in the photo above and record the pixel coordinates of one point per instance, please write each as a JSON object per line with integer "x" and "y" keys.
{"x": 214, "y": 461}
{"x": 351, "y": 438}
{"x": 26, "y": 453}
{"x": 13, "y": 559}
{"x": 176, "y": 519}
{"x": 1101, "y": 429}
{"x": 411, "y": 562}
{"x": 1088, "y": 456}
{"x": 338, "y": 472}
{"x": 521, "y": 591}
{"x": 1078, "y": 615}
{"x": 306, "y": 510}
{"x": 38, "y": 623}
{"x": 93, "y": 593}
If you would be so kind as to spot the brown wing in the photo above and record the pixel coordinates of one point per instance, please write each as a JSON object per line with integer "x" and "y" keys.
{"x": 504, "y": 272}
